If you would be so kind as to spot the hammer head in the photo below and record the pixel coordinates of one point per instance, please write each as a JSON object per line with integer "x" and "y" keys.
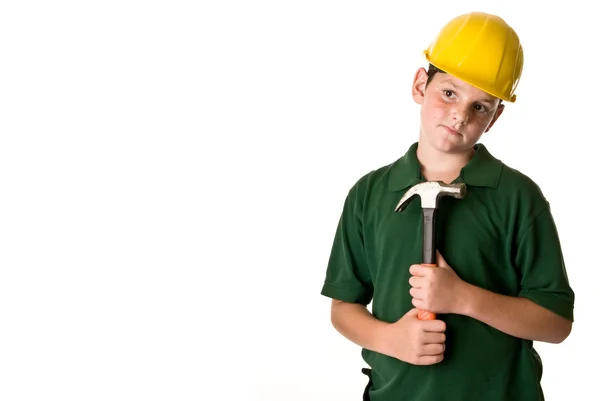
{"x": 430, "y": 192}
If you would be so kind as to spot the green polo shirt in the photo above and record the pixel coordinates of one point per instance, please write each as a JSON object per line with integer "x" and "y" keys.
{"x": 501, "y": 237}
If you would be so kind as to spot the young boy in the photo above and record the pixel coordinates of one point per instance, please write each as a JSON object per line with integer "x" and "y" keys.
{"x": 500, "y": 281}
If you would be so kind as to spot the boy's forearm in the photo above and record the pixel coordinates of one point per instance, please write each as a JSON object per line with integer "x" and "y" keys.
{"x": 357, "y": 324}
{"x": 516, "y": 316}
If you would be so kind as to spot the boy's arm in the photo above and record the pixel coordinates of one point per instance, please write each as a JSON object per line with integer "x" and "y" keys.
{"x": 440, "y": 290}
{"x": 357, "y": 324}
{"x": 409, "y": 339}
{"x": 517, "y": 316}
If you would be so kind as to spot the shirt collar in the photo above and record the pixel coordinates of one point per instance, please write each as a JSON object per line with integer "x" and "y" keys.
{"x": 483, "y": 170}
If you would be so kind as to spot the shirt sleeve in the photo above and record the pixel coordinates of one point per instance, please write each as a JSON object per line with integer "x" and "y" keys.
{"x": 541, "y": 266}
{"x": 347, "y": 277}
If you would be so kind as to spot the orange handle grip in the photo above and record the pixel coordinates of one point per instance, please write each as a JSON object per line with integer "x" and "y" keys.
{"x": 426, "y": 315}
{"x": 423, "y": 314}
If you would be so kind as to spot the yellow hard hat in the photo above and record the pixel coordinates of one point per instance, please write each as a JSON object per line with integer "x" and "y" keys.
{"x": 482, "y": 50}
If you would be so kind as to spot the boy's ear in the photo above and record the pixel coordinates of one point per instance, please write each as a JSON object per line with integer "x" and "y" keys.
{"x": 419, "y": 83}
{"x": 499, "y": 111}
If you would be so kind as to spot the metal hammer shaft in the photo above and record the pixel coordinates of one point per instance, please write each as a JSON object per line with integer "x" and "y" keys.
{"x": 429, "y": 230}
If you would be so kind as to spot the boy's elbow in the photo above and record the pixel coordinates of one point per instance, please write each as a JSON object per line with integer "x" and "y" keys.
{"x": 566, "y": 330}
{"x": 562, "y": 332}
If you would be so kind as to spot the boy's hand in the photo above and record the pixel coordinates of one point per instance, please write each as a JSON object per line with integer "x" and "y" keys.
{"x": 436, "y": 289}
{"x": 419, "y": 342}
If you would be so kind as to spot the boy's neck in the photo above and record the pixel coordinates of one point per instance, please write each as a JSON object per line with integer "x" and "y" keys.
{"x": 439, "y": 166}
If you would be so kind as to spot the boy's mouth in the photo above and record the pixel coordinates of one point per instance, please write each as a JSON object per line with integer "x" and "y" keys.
{"x": 451, "y": 131}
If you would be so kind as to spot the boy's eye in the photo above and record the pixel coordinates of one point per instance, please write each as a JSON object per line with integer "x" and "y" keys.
{"x": 479, "y": 108}
{"x": 448, "y": 93}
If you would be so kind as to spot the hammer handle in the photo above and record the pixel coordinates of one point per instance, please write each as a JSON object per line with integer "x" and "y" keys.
{"x": 429, "y": 218}
{"x": 429, "y": 248}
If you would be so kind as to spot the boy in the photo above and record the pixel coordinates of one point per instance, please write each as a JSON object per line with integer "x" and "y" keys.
{"x": 500, "y": 283}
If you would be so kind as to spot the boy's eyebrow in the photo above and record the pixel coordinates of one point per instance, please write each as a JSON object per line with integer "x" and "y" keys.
{"x": 487, "y": 100}
{"x": 449, "y": 81}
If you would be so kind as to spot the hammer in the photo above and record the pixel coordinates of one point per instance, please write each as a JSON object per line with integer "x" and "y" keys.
{"x": 430, "y": 192}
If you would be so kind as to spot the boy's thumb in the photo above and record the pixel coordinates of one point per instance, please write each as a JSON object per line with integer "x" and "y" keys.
{"x": 414, "y": 312}
{"x": 441, "y": 262}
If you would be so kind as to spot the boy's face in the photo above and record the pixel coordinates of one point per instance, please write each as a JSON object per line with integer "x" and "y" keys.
{"x": 454, "y": 114}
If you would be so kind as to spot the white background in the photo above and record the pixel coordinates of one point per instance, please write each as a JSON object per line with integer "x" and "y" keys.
{"x": 172, "y": 173}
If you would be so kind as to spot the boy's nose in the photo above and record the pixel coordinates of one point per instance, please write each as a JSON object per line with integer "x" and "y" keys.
{"x": 460, "y": 115}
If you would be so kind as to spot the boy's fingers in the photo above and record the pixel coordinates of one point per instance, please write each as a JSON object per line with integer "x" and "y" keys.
{"x": 433, "y": 349}
{"x": 415, "y": 293}
{"x": 416, "y": 281}
{"x": 434, "y": 338}
{"x": 430, "y": 359}
{"x": 416, "y": 270}
{"x": 434, "y": 326}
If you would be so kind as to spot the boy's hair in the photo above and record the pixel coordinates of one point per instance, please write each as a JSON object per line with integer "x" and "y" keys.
{"x": 432, "y": 70}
